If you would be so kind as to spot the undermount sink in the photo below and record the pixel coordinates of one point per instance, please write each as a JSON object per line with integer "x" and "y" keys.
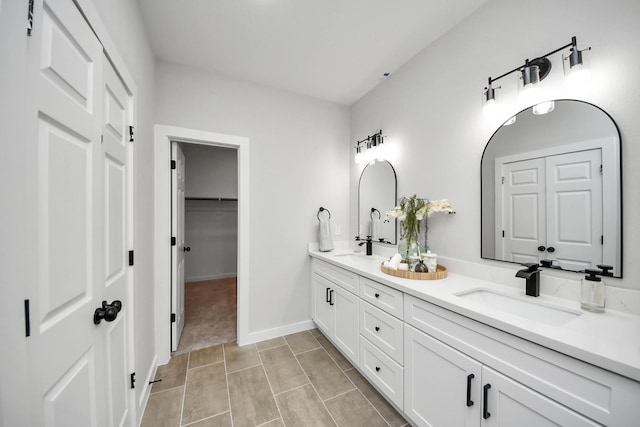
{"x": 520, "y": 306}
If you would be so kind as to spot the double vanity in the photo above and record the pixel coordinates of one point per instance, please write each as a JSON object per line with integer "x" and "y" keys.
{"x": 463, "y": 351}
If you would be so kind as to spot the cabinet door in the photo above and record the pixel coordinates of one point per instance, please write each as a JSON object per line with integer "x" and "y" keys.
{"x": 442, "y": 385}
{"x": 509, "y": 403}
{"x": 322, "y": 310}
{"x": 346, "y": 326}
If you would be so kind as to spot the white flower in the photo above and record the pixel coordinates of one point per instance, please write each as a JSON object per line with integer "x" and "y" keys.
{"x": 420, "y": 213}
{"x": 440, "y": 206}
{"x": 396, "y": 213}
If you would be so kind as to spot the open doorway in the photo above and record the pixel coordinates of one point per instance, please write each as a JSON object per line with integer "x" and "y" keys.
{"x": 162, "y": 229}
{"x": 210, "y": 236}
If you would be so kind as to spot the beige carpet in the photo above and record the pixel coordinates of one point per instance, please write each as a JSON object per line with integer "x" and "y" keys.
{"x": 210, "y": 314}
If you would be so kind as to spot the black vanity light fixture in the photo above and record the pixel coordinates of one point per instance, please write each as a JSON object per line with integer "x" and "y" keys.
{"x": 365, "y": 148}
{"x": 533, "y": 72}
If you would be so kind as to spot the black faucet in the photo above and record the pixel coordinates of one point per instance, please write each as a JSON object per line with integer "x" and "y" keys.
{"x": 531, "y": 275}
{"x": 369, "y": 243}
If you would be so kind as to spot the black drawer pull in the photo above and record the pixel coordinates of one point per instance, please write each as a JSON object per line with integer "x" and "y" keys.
{"x": 331, "y": 297}
{"x": 485, "y": 404}
{"x": 327, "y": 295}
{"x": 469, "y": 401}
{"x": 377, "y": 328}
{"x": 377, "y": 295}
{"x": 377, "y": 368}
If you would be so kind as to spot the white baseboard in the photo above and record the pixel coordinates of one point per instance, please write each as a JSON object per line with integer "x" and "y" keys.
{"x": 267, "y": 334}
{"x": 211, "y": 277}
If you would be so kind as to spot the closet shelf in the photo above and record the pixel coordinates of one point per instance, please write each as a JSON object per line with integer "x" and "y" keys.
{"x": 217, "y": 199}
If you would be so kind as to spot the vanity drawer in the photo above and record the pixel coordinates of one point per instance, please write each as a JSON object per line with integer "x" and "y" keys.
{"x": 337, "y": 275}
{"x": 383, "y": 330}
{"x": 382, "y": 371}
{"x": 382, "y": 296}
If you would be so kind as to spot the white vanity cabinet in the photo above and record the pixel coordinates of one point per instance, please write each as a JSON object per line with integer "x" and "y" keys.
{"x": 335, "y": 306}
{"x": 446, "y": 387}
{"x": 462, "y": 370}
{"x": 381, "y": 339}
{"x": 441, "y": 368}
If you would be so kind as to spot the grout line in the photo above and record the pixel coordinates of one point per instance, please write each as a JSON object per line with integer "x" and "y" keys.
{"x": 207, "y": 418}
{"x": 184, "y": 393}
{"x": 265, "y": 423}
{"x": 226, "y": 378}
{"x": 273, "y": 396}
{"x": 375, "y": 391}
{"x": 313, "y": 386}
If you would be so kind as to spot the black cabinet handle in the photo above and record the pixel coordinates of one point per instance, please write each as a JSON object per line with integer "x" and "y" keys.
{"x": 551, "y": 249}
{"x": 485, "y": 397}
{"x": 326, "y": 295}
{"x": 187, "y": 248}
{"x": 469, "y": 401}
{"x": 377, "y": 368}
{"x": 541, "y": 248}
{"x": 331, "y": 297}
{"x": 377, "y": 295}
{"x": 377, "y": 328}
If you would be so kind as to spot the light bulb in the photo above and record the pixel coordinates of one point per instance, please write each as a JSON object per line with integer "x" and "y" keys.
{"x": 544, "y": 107}
{"x": 489, "y": 108}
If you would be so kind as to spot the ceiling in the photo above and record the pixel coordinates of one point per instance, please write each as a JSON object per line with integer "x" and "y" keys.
{"x": 336, "y": 50}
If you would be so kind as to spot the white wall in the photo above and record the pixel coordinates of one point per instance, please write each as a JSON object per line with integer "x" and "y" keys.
{"x": 299, "y": 162}
{"x": 124, "y": 25}
{"x": 211, "y": 171}
{"x": 430, "y": 110}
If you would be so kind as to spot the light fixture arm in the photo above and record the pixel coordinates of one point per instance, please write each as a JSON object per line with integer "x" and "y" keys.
{"x": 539, "y": 60}
{"x": 371, "y": 140}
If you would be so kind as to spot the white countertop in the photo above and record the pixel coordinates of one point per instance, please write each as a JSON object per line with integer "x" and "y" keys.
{"x": 609, "y": 340}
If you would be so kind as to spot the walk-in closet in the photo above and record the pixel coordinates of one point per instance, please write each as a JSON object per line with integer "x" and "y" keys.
{"x": 211, "y": 245}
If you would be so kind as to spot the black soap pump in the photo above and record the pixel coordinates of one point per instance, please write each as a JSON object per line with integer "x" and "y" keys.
{"x": 592, "y": 291}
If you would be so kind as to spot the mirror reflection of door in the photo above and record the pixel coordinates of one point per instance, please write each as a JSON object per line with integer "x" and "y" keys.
{"x": 552, "y": 210}
{"x": 550, "y": 214}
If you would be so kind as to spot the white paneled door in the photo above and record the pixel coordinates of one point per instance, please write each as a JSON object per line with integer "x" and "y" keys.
{"x": 178, "y": 247}
{"x": 79, "y": 347}
{"x": 552, "y": 209}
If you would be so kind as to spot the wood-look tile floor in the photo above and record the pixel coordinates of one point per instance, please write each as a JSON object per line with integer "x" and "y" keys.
{"x": 296, "y": 380}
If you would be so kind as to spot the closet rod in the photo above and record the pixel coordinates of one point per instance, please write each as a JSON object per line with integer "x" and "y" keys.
{"x": 219, "y": 199}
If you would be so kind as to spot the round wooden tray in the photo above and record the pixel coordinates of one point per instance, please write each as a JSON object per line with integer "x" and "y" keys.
{"x": 440, "y": 273}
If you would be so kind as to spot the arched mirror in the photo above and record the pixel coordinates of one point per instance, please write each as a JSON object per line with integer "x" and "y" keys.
{"x": 376, "y": 196}
{"x": 551, "y": 189}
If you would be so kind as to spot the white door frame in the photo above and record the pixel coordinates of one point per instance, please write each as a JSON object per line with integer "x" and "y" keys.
{"x": 162, "y": 227}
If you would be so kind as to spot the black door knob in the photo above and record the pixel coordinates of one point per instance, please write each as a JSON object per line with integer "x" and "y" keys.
{"x": 108, "y": 312}
{"x": 186, "y": 248}
{"x": 551, "y": 249}
{"x": 542, "y": 248}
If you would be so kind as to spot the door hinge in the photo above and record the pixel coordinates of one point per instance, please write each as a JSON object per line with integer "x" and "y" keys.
{"x": 130, "y": 133}
{"x": 173, "y": 164}
{"x": 503, "y": 179}
{"x": 130, "y": 257}
{"x": 27, "y": 319}
{"x": 133, "y": 380}
{"x": 600, "y": 169}
{"x": 502, "y": 233}
{"x": 173, "y": 318}
{"x": 101, "y": 139}
{"x": 173, "y": 241}
{"x": 30, "y": 17}
{"x": 602, "y": 240}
